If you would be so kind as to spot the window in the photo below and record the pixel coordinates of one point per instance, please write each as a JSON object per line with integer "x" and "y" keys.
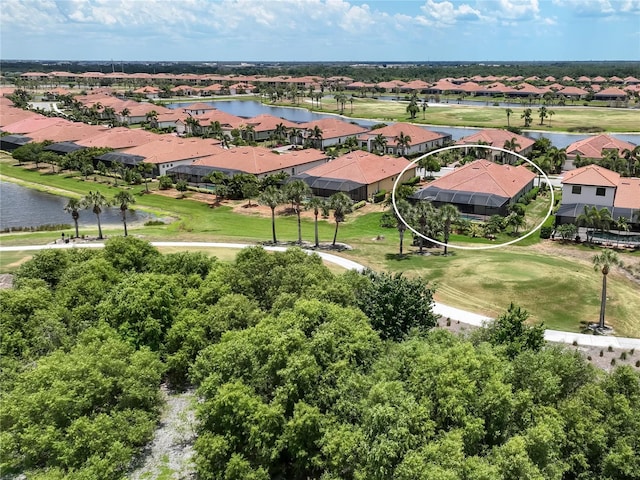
{"x": 576, "y": 189}
{"x": 600, "y": 192}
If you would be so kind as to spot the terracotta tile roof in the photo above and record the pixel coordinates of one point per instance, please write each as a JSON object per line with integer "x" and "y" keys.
{"x": 9, "y": 115}
{"x": 486, "y": 177}
{"x": 259, "y": 160}
{"x": 333, "y": 128}
{"x": 569, "y": 79}
{"x": 63, "y": 132}
{"x": 266, "y": 123}
{"x": 631, "y": 80}
{"x": 361, "y": 167}
{"x": 584, "y": 79}
{"x": 418, "y": 134}
{"x": 592, "y": 175}
{"x": 573, "y": 91}
{"x": 497, "y": 138}
{"x": 198, "y": 106}
{"x": 225, "y": 119}
{"x": 628, "y": 193}
{"x": 33, "y": 124}
{"x": 611, "y": 92}
{"x": 595, "y": 88}
{"x": 598, "y": 79}
{"x": 391, "y": 84}
{"x": 416, "y": 85}
{"x": 591, "y": 147}
{"x": 119, "y": 138}
{"x": 169, "y": 148}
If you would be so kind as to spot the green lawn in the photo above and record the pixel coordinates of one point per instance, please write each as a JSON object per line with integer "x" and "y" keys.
{"x": 562, "y": 292}
{"x": 487, "y": 116}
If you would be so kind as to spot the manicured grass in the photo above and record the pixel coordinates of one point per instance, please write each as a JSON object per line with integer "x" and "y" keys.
{"x": 564, "y": 119}
{"x": 562, "y": 292}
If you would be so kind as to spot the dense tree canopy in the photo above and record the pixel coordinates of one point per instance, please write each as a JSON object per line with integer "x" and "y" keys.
{"x": 300, "y": 373}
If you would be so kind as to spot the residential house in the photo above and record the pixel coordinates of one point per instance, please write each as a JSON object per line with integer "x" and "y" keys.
{"x": 595, "y": 147}
{"x": 422, "y": 140}
{"x": 358, "y": 174}
{"x": 499, "y": 138}
{"x": 334, "y": 131}
{"x": 479, "y": 188}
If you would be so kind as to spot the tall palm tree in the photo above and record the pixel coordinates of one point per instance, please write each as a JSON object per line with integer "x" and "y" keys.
{"x": 341, "y": 205}
{"x": 316, "y": 203}
{"x": 96, "y": 201}
{"x": 512, "y": 145}
{"x": 145, "y": 170}
{"x": 402, "y": 143}
{"x": 509, "y": 112}
{"x": 604, "y": 262}
{"x": 123, "y": 199}
{"x": 280, "y": 132}
{"x": 542, "y": 113}
{"x": 297, "y": 192}
{"x": 622, "y": 224}
{"x": 557, "y": 156}
{"x": 448, "y": 213}
{"x": 316, "y": 135}
{"x": 526, "y": 115}
{"x": 272, "y": 197}
{"x": 124, "y": 113}
{"x": 423, "y": 212}
{"x": 73, "y": 206}
{"x": 152, "y": 118}
{"x": 379, "y": 143}
{"x": 406, "y": 211}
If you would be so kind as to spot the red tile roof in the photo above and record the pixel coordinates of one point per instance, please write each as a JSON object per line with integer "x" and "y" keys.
{"x": 9, "y": 115}
{"x": 119, "y": 138}
{"x": 497, "y": 138}
{"x": 333, "y": 128}
{"x": 260, "y": 160}
{"x": 592, "y": 175}
{"x": 362, "y": 167}
{"x": 418, "y": 134}
{"x": 32, "y": 124}
{"x": 611, "y": 92}
{"x": 169, "y": 148}
{"x": 64, "y": 132}
{"x": 628, "y": 193}
{"x": 486, "y": 177}
{"x": 266, "y": 123}
{"x": 592, "y": 147}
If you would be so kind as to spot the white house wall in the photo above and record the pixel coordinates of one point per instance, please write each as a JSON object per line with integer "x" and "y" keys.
{"x": 588, "y": 195}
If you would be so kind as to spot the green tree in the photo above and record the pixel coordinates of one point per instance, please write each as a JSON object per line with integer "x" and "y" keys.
{"x": 526, "y": 115}
{"x": 396, "y": 304}
{"x": 406, "y": 212}
{"x": 341, "y": 204}
{"x": 73, "y": 207}
{"x": 603, "y": 262}
{"x": 315, "y": 203}
{"x": 542, "y": 113}
{"x": 123, "y": 199}
{"x": 297, "y": 192}
{"x": 96, "y": 201}
{"x": 413, "y": 108}
{"x": 272, "y": 197}
{"x": 430, "y": 164}
{"x": 449, "y": 214}
{"x": 509, "y": 112}
{"x": 511, "y": 331}
{"x": 403, "y": 142}
{"x": 145, "y": 169}
{"x": 379, "y": 144}
{"x": 424, "y": 212}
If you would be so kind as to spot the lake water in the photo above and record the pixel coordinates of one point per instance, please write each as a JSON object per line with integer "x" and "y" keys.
{"x": 23, "y": 207}
{"x": 252, "y": 108}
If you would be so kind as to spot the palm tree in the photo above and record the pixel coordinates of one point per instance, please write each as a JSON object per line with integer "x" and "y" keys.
{"x": 280, "y": 132}
{"x": 550, "y": 113}
{"x": 512, "y": 145}
{"x": 542, "y": 113}
{"x": 509, "y": 112}
{"x": 123, "y": 199}
{"x": 295, "y": 134}
{"x": 73, "y": 206}
{"x": 622, "y": 225}
{"x": 316, "y": 135}
{"x": 296, "y": 192}
{"x": 272, "y": 197}
{"x": 152, "y": 118}
{"x": 96, "y": 201}
{"x": 316, "y": 203}
{"x": 193, "y": 125}
{"x": 402, "y": 143}
{"x": 557, "y": 156}
{"x": 423, "y": 212}
{"x": 604, "y": 261}
{"x": 405, "y": 210}
{"x": 448, "y": 213}
{"x": 145, "y": 170}
{"x": 379, "y": 143}
{"x": 125, "y": 115}
{"x": 413, "y": 108}
{"x": 527, "y": 117}
{"x": 341, "y": 205}
{"x": 351, "y": 143}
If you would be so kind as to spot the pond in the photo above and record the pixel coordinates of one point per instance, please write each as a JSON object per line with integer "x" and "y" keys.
{"x": 23, "y": 207}
{"x": 252, "y": 108}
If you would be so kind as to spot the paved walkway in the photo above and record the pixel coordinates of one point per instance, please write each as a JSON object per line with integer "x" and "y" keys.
{"x": 440, "y": 309}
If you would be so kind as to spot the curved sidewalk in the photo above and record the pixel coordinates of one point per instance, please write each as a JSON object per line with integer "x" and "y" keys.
{"x": 439, "y": 308}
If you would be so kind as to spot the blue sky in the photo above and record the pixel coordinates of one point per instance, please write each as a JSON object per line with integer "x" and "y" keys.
{"x": 320, "y": 30}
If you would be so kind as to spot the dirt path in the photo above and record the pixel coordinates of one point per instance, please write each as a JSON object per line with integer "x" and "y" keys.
{"x": 169, "y": 455}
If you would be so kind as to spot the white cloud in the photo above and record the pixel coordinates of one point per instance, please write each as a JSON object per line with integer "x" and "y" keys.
{"x": 589, "y": 7}
{"x": 445, "y": 13}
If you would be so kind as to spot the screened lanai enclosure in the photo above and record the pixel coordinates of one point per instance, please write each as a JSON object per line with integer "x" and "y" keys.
{"x": 476, "y": 203}
{"x": 325, "y": 187}
{"x": 125, "y": 159}
{"x": 195, "y": 174}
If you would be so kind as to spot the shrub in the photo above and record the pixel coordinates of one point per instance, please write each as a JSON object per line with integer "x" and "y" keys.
{"x": 623, "y": 356}
{"x": 358, "y": 205}
{"x": 545, "y": 232}
{"x": 412, "y": 181}
{"x": 638, "y": 364}
{"x": 601, "y": 353}
{"x": 613, "y": 361}
{"x": 610, "y": 349}
{"x": 380, "y": 196}
{"x": 165, "y": 182}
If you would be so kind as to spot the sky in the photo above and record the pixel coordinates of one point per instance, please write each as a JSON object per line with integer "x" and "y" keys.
{"x": 320, "y": 30}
